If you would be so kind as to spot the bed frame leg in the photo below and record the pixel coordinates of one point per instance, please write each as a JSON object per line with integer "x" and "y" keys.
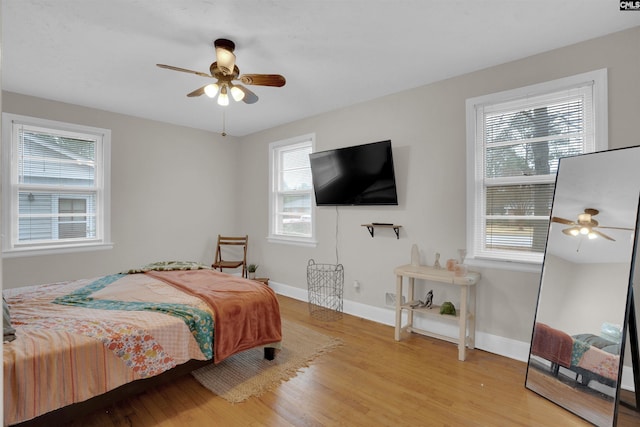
{"x": 269, "y": 353}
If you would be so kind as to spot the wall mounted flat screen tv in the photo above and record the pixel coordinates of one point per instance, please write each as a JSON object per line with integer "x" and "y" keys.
{"x": 360, "y": 175}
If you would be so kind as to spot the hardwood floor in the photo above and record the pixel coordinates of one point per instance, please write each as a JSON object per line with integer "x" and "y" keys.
{"x": 371, "y": 380}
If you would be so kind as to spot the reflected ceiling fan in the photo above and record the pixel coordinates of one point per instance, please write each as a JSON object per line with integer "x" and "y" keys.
{"x": 586, "y": 225}
{"x": 225, "y": 71}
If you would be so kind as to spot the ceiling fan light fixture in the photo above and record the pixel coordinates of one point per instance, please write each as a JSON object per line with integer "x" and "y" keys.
{"x": 592, "y": 235}
{"x": 226, "y": 60}
{"x": 211, "y": 90}
{"x": 223, "y": 98}
{"x": 237, "y": 93}
{"x": 584, "y": 218}
{"x": 585, "y": 230}
{"x": 574, "y": 231}
{"x": 224, "y": 71}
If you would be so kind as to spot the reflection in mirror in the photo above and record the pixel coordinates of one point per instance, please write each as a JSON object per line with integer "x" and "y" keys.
{"x": 579, "y": 329}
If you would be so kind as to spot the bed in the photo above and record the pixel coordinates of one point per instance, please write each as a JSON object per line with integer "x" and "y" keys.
{"x": 591, "y": 357}
{"x": 94, "y": 337}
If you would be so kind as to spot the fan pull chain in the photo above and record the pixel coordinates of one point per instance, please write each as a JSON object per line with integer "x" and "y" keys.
{"x": 224, "y": 132}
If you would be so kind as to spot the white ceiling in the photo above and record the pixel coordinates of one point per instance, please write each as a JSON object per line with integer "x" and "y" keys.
{"x": 102, "y": 53}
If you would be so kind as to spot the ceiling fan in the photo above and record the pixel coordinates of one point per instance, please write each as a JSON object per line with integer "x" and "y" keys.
{"x": 225, "y": 71}
{"x": 586, "y": 225}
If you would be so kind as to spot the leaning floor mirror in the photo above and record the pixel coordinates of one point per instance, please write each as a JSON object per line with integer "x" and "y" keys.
{"x": 586, "y": 293}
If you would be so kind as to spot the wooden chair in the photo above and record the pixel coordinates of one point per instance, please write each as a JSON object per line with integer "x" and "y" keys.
{"x": 219, "y": 262}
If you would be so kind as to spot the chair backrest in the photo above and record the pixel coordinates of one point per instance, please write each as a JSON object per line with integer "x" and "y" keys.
{"x": 240, "y": 257}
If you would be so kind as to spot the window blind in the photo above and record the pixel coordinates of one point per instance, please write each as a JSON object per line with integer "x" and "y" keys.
{"x": 292, "y": 194}
{"x": 57, "y": 186}
{"x": 519, "y": 144}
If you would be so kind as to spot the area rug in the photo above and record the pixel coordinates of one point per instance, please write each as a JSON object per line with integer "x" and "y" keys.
{"x": 248, "y": 374}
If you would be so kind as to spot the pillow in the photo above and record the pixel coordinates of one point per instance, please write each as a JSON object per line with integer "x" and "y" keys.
{"x": 611, "y": 332}
{"x": 9, "y": 331}
{"x": 168, "y": 266}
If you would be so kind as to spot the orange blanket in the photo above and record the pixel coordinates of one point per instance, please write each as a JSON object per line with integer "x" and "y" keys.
{"x": 246, "y": 312}
{"x": 552, "y": 344}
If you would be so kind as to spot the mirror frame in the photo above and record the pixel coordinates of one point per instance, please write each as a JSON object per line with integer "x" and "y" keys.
{"x": 629, "y": 309}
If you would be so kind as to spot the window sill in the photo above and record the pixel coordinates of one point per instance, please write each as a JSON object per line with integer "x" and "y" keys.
{"x": 296, "y": 241}
{"x": 55, "y": 250}
{"x": 525, "y": 267}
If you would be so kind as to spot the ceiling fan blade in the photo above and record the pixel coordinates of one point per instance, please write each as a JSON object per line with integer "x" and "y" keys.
{"x": 562, "y": 220}
{"x": 603, "y": 235}
{"x": 249, "y": 96}
{"x": 184, "y": 70}
{"x": 263, "y": 79}
{"x": 617, "y": 228}
{"x": 197, "y": 92}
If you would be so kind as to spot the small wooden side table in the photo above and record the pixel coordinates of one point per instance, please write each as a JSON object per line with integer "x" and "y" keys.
{"x": 465, "y": 316}
{"x": 264, "y": 280}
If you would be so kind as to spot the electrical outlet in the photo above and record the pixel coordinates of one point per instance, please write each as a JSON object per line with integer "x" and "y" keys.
{"x": 390, "y": 299}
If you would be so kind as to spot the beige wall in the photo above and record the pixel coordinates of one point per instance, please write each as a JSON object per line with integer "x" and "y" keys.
{"x": 583, "y": 286}
{"x": 174, "y": 188}
{"x": 427, "y": 129}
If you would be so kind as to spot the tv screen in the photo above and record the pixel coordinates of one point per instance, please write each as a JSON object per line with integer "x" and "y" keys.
{"x": 356, "y": 175}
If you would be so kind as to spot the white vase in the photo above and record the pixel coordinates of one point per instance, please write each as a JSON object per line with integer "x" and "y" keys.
{"x": 252, "y": 275}
{"x": 415, "y": 255}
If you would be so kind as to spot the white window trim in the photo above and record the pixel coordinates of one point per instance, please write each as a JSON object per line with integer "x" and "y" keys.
{"x": 601, "y": 132}
{"x": 9, "y": 204}
{"x": 278, "y": 238}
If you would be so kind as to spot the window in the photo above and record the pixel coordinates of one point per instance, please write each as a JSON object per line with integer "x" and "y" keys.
{"x": 72, "y": 226}
{"x": 514, "y": 142}
{"x": 291, "y": 191}
{"x": 55, "y": 186}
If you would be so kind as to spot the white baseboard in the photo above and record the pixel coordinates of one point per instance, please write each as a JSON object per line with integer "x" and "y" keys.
{"x": 496, "y": 344}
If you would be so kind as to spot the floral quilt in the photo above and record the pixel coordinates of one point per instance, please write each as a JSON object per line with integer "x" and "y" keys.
{"x": 200, "y": 322}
